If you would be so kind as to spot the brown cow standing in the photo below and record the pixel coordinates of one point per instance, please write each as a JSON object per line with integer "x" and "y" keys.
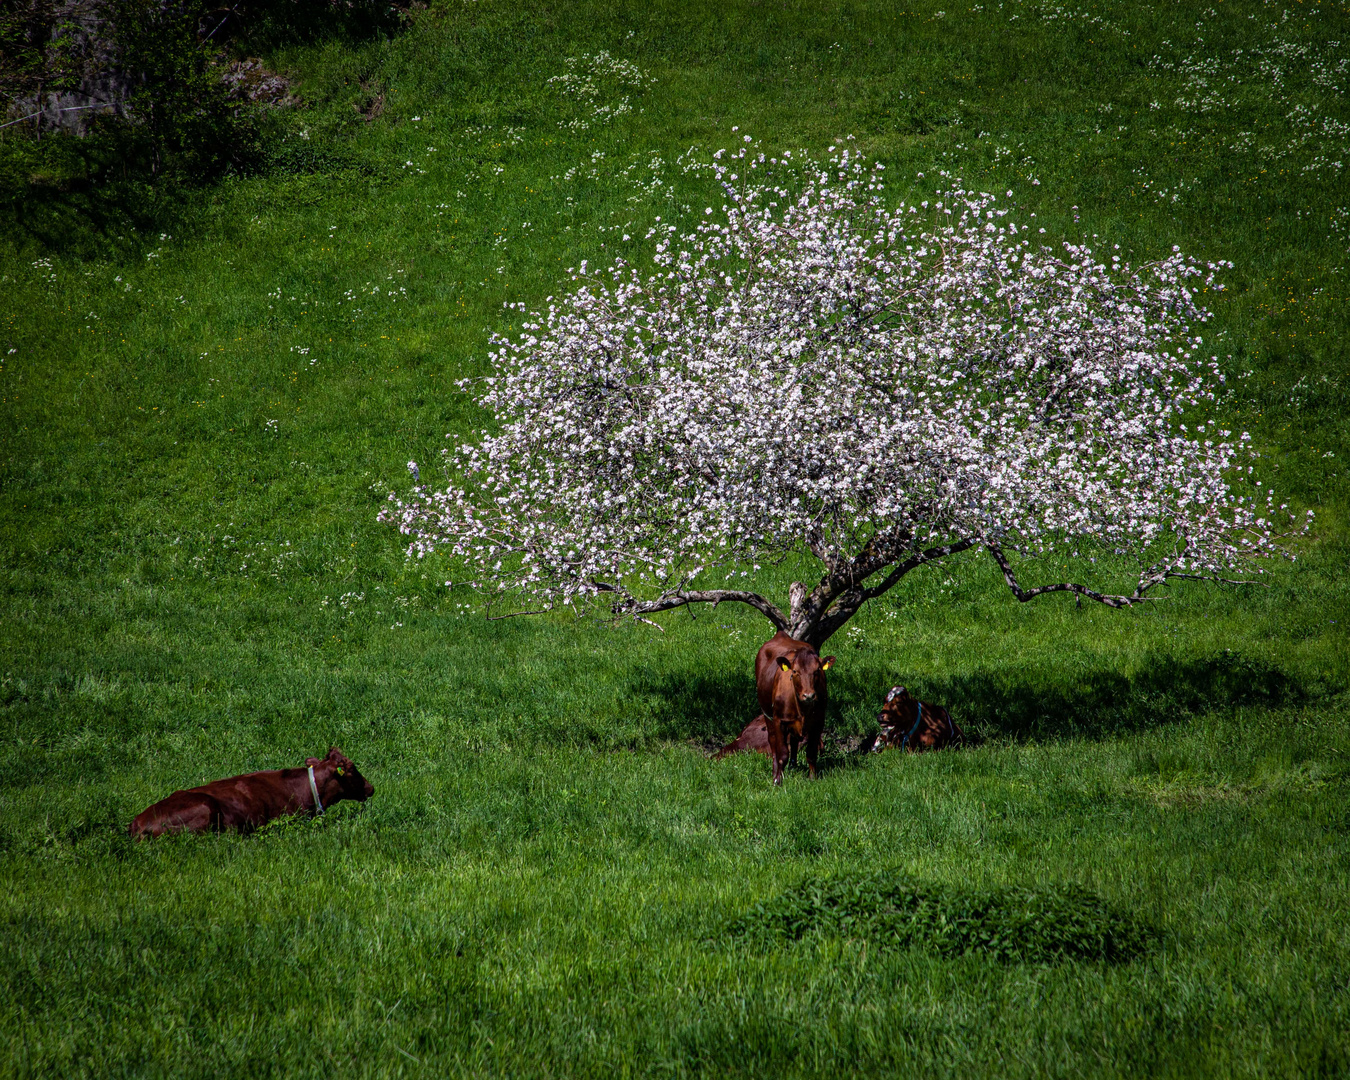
{"x": 245, "y": 802}
{"x": 790, "y": 679}
{"x": 915, "y": 725}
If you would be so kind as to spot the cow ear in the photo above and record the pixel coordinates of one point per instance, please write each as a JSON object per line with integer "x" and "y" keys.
{"x": 827, "y": 663}
{"x": 312, "y": 761}
{"x": 334, "y": 752}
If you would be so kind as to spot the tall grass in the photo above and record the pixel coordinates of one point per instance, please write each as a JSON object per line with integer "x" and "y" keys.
{"x": 210, "y": 394}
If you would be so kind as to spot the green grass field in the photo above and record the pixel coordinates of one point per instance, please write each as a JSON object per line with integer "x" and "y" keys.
{"x": 206, "y": 396}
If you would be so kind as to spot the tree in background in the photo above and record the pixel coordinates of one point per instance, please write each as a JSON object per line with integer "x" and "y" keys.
{"x": 137, "y": 72}
{"x": 180, "y": 115}
{"x": 876, "y": 388}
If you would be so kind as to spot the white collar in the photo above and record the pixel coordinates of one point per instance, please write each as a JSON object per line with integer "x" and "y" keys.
{"x": 314, "y": 790}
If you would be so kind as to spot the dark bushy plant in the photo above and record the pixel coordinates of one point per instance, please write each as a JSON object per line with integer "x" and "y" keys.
{"x": 1036, "y": 925}
{"x": 179, "y": 118}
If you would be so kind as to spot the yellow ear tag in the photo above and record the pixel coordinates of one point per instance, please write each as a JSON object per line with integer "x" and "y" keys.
{"x": 784, "y": 665}
{"x": 826, "y": 666}
{"x": 340, "y": 772}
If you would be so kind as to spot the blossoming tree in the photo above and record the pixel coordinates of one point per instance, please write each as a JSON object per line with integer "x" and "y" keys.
{"x": 878, "y": 388}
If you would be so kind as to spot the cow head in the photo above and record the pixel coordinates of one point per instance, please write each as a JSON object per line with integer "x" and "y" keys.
{"x": 898, "y": 708}
{"x": 807, "y": 671}
{"x": 350, "y": 781}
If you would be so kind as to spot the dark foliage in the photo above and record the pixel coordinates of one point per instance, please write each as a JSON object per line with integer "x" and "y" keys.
{"x": 45, "y": 48}
{"x": 1034, "y": 925}
{"x": 180, "y": 119}
{"x": 268, "y": 24}
{"x": 154, "y": 98}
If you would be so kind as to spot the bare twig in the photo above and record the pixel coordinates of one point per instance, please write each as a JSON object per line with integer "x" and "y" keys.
{"x": 517, "y": 614}
{"x": 222, "y": 22}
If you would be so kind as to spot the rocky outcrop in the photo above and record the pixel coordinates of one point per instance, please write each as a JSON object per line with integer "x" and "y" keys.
{"x": 248, "y": 80}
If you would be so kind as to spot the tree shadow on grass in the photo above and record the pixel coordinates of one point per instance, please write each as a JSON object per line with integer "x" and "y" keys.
{"x": 1106, "y": 702}
{"x": 1019, "y": 703}
{"x": 707, "y": 709}
{"x": 77, "y": 217}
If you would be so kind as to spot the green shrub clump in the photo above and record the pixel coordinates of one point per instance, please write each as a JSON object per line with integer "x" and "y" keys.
{"x": 1031, "y": 925}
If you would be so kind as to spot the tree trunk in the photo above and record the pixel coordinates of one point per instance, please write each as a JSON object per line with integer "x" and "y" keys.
{"x": 799, "y": 620}
{"x": 816, "y": 615}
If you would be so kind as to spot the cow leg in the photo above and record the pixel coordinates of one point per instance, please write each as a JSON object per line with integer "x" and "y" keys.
{"x": 793, "y": 742}
{"x": 813, "y": 752}
{"x": 777, "y": 749}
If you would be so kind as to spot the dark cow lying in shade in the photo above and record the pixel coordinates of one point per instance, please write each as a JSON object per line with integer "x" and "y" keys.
{"x": 915, "y": 725}
{"x": 243, "y": 803}
{"x": 790, "y": 681}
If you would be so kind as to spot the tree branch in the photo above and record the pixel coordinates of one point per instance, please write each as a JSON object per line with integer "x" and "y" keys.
{"x": 1024, "y": 595}
{"x": 517, "y": 614}
{"x": 628, "y": 606}
{"x": 939, "y": 552}
{"x": 832, "y": 604}
{"x": 1211, "y": 577}
{"x": 1158, "y": 574}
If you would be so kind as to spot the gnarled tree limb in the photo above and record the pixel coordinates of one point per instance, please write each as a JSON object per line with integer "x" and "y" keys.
{"x": 1024, "y": 595}
{"x": 1151, "y": 578}
{"x": 817, "y": 615}
{"x": 626, "y": 606}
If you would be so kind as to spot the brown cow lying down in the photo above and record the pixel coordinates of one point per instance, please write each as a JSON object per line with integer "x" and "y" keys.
{"x": 755, "y": 737}
{"x": 915, "y": 725}
{"x": 245, "y": 802}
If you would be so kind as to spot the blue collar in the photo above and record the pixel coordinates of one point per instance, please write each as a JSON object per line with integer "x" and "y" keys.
{"x": 918, "y": 719}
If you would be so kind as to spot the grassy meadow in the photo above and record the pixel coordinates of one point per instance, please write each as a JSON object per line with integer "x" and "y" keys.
{"x": 206, "y": 396}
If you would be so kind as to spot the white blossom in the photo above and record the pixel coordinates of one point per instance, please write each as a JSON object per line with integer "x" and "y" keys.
{"x": 816, "y": 372}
